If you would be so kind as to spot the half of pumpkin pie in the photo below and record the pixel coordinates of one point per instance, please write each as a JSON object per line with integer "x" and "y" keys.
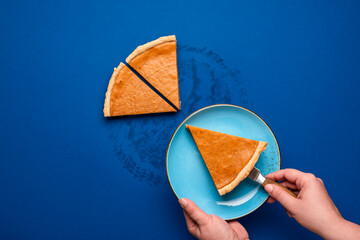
{"x": 156, "y": 61}
{"x": 127, "y": 94}
{"x": 228, "y": 158}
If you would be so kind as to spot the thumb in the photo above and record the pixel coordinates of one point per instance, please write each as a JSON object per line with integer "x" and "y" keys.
{"x": 281, "y": 196}
{"x": 193, "y": 211}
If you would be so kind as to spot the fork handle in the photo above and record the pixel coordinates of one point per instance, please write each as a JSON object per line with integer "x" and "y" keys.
{"x": 269, "y": 181}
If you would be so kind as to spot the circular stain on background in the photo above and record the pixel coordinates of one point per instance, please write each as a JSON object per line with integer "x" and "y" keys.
{"x": 140, "y": 142}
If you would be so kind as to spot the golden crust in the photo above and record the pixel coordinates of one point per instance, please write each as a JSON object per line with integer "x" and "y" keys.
{"x": 245, "y": 171}
{"x": 142, "y": 48}
{"x": 110, "y": 88}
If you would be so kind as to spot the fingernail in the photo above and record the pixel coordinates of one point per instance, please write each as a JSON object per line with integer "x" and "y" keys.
{"x": 183, "y": 202}
{"x": 269, "y": 188}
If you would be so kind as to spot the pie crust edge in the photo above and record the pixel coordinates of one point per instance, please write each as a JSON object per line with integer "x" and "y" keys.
{"x": 110, "y": 88}
{"x": 245, "y": 171}
{"x": 143, "y": 48}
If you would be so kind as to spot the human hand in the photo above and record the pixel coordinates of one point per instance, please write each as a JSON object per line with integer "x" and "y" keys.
{"x": 313, "y": 208}
{"x": 210, "y": 227}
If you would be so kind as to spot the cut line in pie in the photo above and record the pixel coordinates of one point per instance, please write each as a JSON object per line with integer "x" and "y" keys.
{"x": 149, "y": 84}
{"x": 228, "y": 158}
{"x": 156, "y": 61}
{"x": 129, "y": 95}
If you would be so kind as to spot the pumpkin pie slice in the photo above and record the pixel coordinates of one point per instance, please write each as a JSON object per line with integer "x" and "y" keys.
{"x": 129, "y": 95}
{"x": 228, "y": 158}
{"x": 156, "y": 61}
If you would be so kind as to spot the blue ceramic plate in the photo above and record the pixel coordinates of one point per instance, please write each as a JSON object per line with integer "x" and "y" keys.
{"x": 187, "y": 172}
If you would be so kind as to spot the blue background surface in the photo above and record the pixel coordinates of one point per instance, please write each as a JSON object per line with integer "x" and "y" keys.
{"x": 66, "y": 172}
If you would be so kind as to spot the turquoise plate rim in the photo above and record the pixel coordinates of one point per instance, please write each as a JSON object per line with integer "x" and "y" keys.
{"x": 212, "y": 106}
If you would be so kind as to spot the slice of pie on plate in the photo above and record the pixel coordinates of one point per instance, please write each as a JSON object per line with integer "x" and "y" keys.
{"x": 156, "y": 61}
{"x": 129, "y": 95}
{"x": 228, "y": 158}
